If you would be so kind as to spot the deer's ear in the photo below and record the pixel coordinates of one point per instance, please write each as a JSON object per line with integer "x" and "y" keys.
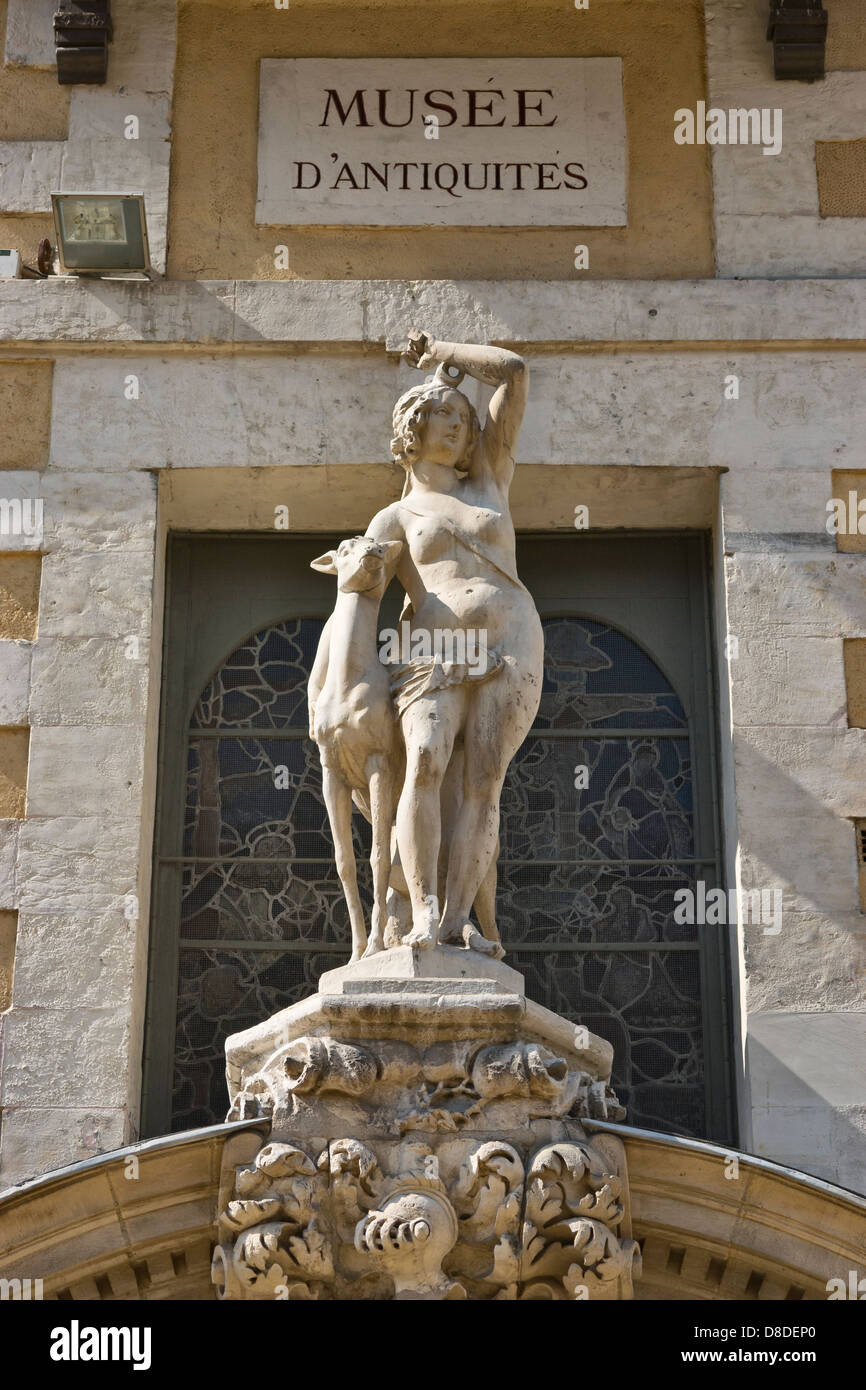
{"x": 325, "y": 564}
{"x": 393, "y": 550}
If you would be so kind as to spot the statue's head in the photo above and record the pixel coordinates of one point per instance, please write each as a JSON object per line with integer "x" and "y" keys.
{"x": 436, "y": 422}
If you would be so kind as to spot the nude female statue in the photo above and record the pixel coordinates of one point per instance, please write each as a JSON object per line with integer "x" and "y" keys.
{"x": 460, "y": 726}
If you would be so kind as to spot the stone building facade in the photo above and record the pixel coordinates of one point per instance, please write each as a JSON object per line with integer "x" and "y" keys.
{"x": 175, "y": 448}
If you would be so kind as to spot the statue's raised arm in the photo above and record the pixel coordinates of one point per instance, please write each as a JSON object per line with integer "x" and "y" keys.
{"x": 496, "y": 367}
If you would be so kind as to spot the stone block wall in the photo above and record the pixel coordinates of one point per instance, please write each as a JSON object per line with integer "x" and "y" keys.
{"x": 296, "y": 418}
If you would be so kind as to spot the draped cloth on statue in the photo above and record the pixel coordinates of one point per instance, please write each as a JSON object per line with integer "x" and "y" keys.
{"x": 423, "y": 675}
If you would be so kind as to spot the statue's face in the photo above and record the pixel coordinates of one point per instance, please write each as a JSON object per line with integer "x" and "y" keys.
{"x": 446, "y": 433}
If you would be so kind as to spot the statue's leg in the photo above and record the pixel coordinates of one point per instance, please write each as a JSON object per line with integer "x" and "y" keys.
{"x": 381, "y": 783}
{"x": 497, "y": 722}
{"x": 338, "y": 801}
{"x": 429, "y": 726}
{"x": 485, "y": 898}
{"x": 472, "y": 852}
{"x": 485, "y": 902}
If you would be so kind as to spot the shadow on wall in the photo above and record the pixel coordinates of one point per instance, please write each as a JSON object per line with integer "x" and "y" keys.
{"x": 808, "y": 1108}
{"x": 806, "y": 1042}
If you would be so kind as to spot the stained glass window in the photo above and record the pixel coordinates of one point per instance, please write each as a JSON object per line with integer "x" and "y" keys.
{"x": 597, "y": 834}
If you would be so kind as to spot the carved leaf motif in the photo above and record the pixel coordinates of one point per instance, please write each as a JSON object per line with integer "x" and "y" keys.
{"x": 508, "y": 1216}
{"x": 311, "y": 1252}
{"x": 258, "y": 1251}
{"x": 488, "y": 1191}
{"x": 602, "y": 1205}
{"x": 283, "y": 1161}
{"x": 249, "y": 1181}
{"x": 242, "y": 1214}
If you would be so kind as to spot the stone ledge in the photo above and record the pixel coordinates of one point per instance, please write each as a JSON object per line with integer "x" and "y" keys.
{"x": 322, "y": 313}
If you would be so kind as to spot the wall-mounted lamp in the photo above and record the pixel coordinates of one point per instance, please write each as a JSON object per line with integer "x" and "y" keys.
{"x": 798, "y": 30}
{"x": 100, "y": 233}
{"x": 82, "y": 33}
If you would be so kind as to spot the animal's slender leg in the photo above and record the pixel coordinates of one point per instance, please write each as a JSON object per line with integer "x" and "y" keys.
{"x": 338, "y": 800}
{"x": 380, "y": 783}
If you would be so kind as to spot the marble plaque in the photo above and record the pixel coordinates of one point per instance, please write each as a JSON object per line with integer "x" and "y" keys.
{"x": 413, "y": 142}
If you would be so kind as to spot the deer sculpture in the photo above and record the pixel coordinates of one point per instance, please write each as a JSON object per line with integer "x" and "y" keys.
{"x": 353, "y": 724}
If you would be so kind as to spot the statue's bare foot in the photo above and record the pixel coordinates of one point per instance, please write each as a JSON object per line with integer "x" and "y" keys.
{"x": 425, "y": 929}
{"x": 476, "y": 942}
{"x": 420, "y": 936}
{"x": 374, "y": 946}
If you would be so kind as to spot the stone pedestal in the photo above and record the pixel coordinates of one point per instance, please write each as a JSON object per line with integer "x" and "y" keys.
{"x": 425, "y": 1142}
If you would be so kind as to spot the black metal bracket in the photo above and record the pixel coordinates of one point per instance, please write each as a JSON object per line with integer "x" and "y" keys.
{"x": 82, "y": 33}
{"x": 798, "y": 31}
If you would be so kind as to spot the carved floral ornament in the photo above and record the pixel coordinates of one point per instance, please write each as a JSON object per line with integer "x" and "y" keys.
{"x": 472, "y": 1220}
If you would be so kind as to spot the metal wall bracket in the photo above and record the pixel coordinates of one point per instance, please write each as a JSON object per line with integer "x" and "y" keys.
{"x": 798, "y": 32}
{"x": 82, "y": 33}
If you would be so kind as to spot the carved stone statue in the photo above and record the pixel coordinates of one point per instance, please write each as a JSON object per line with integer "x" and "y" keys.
{"x": 466, "y": 685}
{"x": 419, "y": 1128}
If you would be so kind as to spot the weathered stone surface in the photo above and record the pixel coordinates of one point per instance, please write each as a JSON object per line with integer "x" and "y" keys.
{"x": 198, "y": 411}
{"x": 216, "y": 412}
{"x": 814, "y": 964}
{"x": 39, "y": 1138}
{"x": 22, "y": 514}
{"x": 390, "y": 970}
{"x": 89, "y": 681}
{"x": 791, "y": 595}
{"x": 29, "y": 170}
{"x": 13, "y": 771}
{"x": 20, "y": 576}
{"x": 375, "y": 311}
{"x": 83, "y": 961}
{"x": 86, "y": 1047}
{"x": 25, "y": 403}
{"x": 92, "y": 511}
{"x": 30, "y": 33}
{"x": 777, "y": 679}
{"x": 96, "y": 594}
{"x": 808, "y": 1098}
{"x": 77, "y": 864}
{"x": 15, "y": 689}
{"x": 8, "y": 862}
{"x": 96, "y": 769}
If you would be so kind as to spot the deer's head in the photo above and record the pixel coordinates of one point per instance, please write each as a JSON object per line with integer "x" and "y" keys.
{"x": 360, "y": 564}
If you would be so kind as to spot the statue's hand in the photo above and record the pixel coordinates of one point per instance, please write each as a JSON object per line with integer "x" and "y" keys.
{"x": 419, "y": 348}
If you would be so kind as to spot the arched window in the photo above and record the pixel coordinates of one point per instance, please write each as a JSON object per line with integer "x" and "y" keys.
{"x": 604, "y": 818}
{"x": 597, "y": 834}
